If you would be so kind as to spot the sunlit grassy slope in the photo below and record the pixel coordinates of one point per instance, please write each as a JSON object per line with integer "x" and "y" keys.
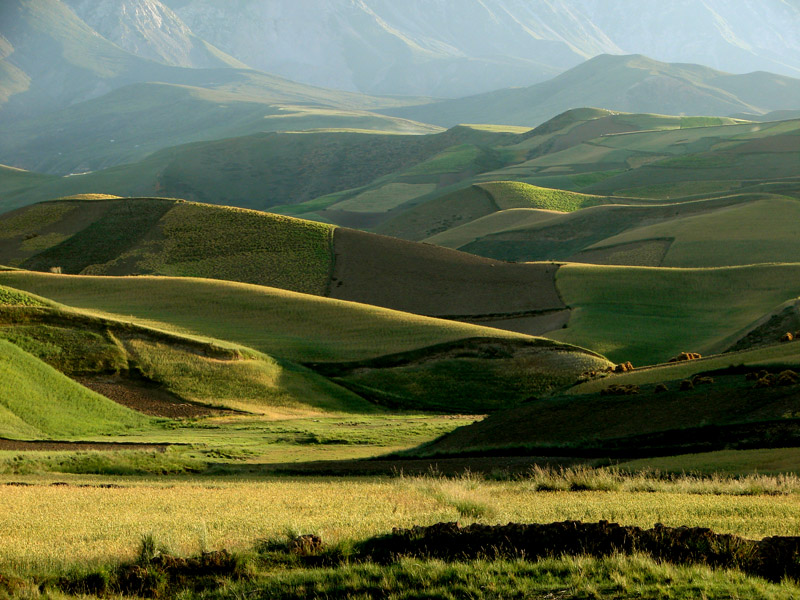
{"x": 393, "y": 359}
{"x": 755, "y": 232}
{"x": 648, "y": 315}
{"x": 290, "y": 325}
{"x": 79, "y": 345}
{"x": 169, "y": 237}
{"x": 38, "y": 401}
{"x": 729, "y": 230}
{"x": 262, "y": 170}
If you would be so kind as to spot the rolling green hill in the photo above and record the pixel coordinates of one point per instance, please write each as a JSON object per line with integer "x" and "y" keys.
{"x": 40, "y": 402}
{"x": 380, "y": 355}
{"x": 168, "y": 237}
{"x": 722, "y": 409}
{"x": 648, "y": 315}
{"x": 444, "y": 212}
{"x": 620, "y": 83}
{"x": 756, "y": 231}
{"x": 128, "y": 124}
{"x": 731, "y": 230}
{"x": 261, "y": 170}
{"x": 162, "y": 373}
{"x": 175, "y": 238}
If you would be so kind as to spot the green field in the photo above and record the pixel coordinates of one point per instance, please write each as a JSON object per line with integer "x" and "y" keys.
{"x": 757, "y": 232}
{"x": 649, "y": 315}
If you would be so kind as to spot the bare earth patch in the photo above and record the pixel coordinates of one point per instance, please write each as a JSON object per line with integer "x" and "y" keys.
{"x": 146, "y": 398}
{"x": 51, "y": 446}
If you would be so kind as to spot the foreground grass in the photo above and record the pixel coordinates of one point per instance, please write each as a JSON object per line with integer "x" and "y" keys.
{"x": 46, "y": 527}
{"x": 581, "y": 577}
{"x": 257, "y": 576}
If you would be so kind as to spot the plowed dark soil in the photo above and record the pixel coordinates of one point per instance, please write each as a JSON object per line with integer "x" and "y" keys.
{"x": 48, "y": 446}
{"x": 146, "y": 398}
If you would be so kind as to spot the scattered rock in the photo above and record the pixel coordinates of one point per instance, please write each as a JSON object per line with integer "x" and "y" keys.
{"x": 623, "y": 367}
{"x": 686, "y": 385}
{"x": 787, "y": 337}
{"x": 702, "y": 380}
{"x": 685, "y": 356}
{"x": 767, "y": 380}
{"x": 661, "y": 388}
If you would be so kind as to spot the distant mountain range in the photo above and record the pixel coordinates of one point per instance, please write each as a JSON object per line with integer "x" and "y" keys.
{"x": 624, "y": 83}
{"x": 86, "y": 85}
{"x": 439, "y": 48}
{"x": 455, "y": 48}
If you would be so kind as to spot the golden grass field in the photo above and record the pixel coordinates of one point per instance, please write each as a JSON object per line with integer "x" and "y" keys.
{"x": 52, "y": 526}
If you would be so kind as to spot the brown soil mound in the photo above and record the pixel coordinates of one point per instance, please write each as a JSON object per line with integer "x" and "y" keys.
{"x": 48, "y": 446}
{"x": 434, "y": 281}
{"x": 145, "y": 397}
{"x": 772, "y": 558}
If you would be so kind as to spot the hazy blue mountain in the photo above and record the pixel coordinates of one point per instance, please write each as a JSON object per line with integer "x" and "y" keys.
{"x": 738, "y": 36}
{"x": 149, "y": 29}
{"x": 625, "y": 83}
{"x": 454, "y": 48}
{"x": 51, "y": 59}
{"x": 73, "y": 101}
{"x": 425, "y": 47}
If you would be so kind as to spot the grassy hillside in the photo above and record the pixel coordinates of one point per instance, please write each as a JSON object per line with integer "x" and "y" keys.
{"x": 160, "y": 373}
{"x": 513, "y": 218}
{"x": 648, "y": 315}
{"x": 91, "y": 135}
{"x": 175, "y": 238}
{"x": 38, "y": 401}
{"x": 729, "y": 230}
{"x": 620, "y": 83}
{"x": 429, "y": 280}
{"x": 393, "y": 359}
{"x": 286, "y": 324}
{"x": 264, "y": 170}
{"x": 168, "y": 237}
{"x": 758, "y": 231}
{"x": 417, "y": 186}
{"x": 446, "y": 210}
{"x": 724, "y": 408}
{"x": 440, "y": 213}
